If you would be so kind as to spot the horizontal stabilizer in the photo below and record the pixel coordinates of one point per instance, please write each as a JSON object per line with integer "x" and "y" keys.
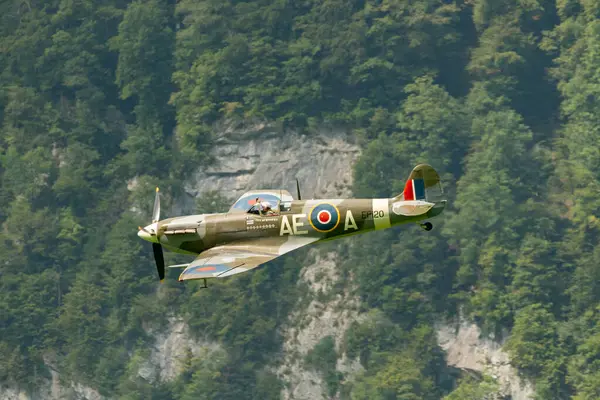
{"x": 411, "y": 207}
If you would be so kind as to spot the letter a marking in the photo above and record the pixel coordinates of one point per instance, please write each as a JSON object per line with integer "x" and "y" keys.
{"x": 350, "y": 222}
{"x": 285, "y": 226}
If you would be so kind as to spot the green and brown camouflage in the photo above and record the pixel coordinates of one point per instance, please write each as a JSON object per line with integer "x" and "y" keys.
{"x": 246, "y": 236}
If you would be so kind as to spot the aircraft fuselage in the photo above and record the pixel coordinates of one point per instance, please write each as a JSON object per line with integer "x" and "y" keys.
{"x": 316, "y": 219}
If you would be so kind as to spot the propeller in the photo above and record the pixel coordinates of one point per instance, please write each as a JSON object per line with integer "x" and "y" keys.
{"x": 160, "y": 260}
{"x": 150, "y": 233}
{"x": 156, "y": 247}
{"x": 156, "y": 209}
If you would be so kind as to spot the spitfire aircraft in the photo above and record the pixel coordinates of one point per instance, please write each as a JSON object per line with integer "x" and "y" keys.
{"x": 265, "y": 224}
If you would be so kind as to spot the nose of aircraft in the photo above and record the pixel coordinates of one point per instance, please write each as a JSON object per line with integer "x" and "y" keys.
{"x": 145, "y": 233}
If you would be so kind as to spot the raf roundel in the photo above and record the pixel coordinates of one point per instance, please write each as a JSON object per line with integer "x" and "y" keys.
{"x": 324, "y": 217}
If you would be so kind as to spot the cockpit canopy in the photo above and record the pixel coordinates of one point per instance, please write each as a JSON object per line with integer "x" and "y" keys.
{"x": 279, "y": 199}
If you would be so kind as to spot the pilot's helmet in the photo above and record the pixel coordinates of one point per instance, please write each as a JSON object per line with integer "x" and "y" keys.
{"x": 265, "y": 205}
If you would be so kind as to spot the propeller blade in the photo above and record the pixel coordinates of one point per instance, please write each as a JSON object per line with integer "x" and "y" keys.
{"x": 156, "y": 210}
{"x": 160, "y": 261}
{"x": 298, "y": 189}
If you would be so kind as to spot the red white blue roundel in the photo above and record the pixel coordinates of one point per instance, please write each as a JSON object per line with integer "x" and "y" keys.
{"x": 324, "y": 217}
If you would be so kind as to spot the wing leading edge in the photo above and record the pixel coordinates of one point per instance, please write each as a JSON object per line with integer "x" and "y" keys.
{"x": 235, "y": 258}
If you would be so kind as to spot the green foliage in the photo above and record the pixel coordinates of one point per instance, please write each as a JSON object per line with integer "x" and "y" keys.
{"x": 335, "y": 59}
{"x": 533, "y": 339}
{"x": 207, "y": 378}
{"x": 213, "y": 202}
{"x": 537, "y": 350}
{"x": 268, "y": 386}
{"x": 101, "y": 101}
{"x": 429, "y": 123}
{"x": 323, "y": 358}
{"x": 470, "y": 388}
{"x": 583, "y": 367}
{"x": 144, "y": 46}
{"x": 397, "y": 376}
{"x": 400, "y": 363}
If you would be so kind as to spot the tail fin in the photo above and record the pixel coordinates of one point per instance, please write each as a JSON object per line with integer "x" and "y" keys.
{"x": 414, "y": 189}
{"x": 422, "y": 184}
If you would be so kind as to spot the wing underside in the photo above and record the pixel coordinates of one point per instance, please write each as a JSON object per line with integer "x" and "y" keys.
{"x": 235, "y": 258}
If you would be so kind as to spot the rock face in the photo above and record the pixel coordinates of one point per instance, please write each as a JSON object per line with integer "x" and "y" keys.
{"x": 51, "y": 388}
{"x": 327, "y": 314}
{"x": 467, "y": 350}
{"x": 261, "y": 156}
{"x": 171, "y": 348}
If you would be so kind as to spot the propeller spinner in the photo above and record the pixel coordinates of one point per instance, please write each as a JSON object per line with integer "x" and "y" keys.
{"x": 150, "y": 233}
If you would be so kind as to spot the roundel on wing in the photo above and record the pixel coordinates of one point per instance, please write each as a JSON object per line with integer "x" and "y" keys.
{"x": 324, "y": 217}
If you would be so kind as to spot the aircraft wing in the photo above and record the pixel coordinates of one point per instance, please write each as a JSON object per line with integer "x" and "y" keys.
{"x": 238, "y": 257}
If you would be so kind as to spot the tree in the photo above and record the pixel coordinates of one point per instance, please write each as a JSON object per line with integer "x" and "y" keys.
{"x": 206, "y": 378}
{"x": 398, "y": 376}
{"x": 470, "y": 388}
{"x": 537, "y": 351}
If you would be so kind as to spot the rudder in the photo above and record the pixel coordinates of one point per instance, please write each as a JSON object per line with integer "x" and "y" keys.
{"x": 414, "y": 189}
{"x": 422, "y": 184}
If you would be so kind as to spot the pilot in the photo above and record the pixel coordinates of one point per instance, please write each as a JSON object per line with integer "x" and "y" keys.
{"x": 265, "y": 208}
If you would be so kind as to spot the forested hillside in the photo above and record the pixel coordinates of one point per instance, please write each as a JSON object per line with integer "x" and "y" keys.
{"x": 102, "y": 100}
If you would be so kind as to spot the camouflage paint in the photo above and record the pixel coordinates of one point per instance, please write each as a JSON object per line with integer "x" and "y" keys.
{"x": 236, "y": 241}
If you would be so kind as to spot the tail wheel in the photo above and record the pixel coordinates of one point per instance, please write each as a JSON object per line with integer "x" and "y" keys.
{"x": 427, "y": 226}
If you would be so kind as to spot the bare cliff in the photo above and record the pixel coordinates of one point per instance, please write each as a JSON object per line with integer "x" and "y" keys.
{"x": 467, "y": 349}
{"x": 261, "y": 156}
